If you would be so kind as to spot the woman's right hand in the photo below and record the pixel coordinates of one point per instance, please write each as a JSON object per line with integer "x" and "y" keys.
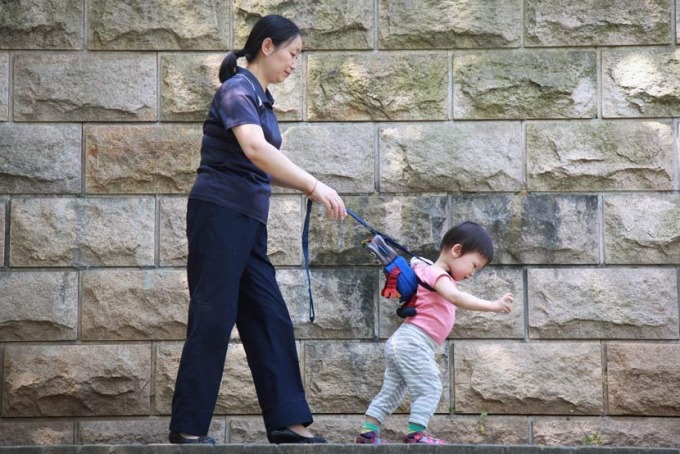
{"x": 335, "y": 207}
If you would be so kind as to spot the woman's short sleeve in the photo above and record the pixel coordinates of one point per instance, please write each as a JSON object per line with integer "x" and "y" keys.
{"x": 238, "y": 105}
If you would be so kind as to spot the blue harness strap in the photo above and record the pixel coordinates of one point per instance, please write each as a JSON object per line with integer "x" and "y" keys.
{"x": 305, "y": 253}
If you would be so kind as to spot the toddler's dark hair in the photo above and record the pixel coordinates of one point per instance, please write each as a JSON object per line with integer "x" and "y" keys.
{"x": 472, "y": 237}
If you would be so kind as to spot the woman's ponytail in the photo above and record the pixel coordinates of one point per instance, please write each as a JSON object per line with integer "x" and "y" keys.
{"x": 228, "y": 66}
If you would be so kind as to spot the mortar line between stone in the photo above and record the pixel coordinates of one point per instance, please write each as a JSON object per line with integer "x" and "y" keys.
{"x": 449, "y": 72}
{"x": 303, "y": 98}
{"x": 524, "y": 154}
{"x": 605, "y": 379}
{"x": 158, "y": 88}
{"x": 5, "y": 258}
{"x": 83, "y": 161}
{"x": 674, "y": 35}
{"x": 10, "y": 85}
{"x": 600, "y": 228}
{"x": 598, "y": 74}
{"x": 230, "y": 38}
{"x": 523, "y": 24}
{"x": 676, "y": 153}
{"x": 525, "y": 302}
{"x": 376, "y": 15}
{"x": 157, "y": 232}
{"x": 79, "y": 303}
{"x": 376, "y": 157}
{"x": 677, "y": 291}
{"x": 530, "y": 430}
{"x": 152, "y": 385}
{"x": 83, "y": 44}
{"x": 76, "y": 431}
{"x": 2, "y": 367}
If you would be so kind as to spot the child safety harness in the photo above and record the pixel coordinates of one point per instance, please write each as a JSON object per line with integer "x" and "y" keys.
{"x": 400, "y": 280}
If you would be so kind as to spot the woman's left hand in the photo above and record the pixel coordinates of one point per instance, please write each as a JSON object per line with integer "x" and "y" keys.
{"x": 335, "y": 207}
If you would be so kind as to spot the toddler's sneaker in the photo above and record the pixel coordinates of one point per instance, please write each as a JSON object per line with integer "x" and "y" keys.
{"x": 369, "y": 438}
{"x": 421, "y": 438}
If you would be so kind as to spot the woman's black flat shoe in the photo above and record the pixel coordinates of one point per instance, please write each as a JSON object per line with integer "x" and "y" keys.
{"x": 285, "y": 435}
{"x": 177, "y": 439}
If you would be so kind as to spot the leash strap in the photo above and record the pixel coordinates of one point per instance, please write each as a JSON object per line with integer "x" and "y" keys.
{"x": 305, "y": 253}
{"x": 387, "y": 238}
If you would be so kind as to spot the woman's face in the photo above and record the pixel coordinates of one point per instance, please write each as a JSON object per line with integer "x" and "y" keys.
{"x": 281, "y": 62}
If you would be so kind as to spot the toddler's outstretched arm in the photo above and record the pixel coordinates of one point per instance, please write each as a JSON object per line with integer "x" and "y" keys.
{"x": 470, "y": 302}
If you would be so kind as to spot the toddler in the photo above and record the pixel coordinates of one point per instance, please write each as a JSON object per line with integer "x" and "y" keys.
{"x": 410, "y": 351}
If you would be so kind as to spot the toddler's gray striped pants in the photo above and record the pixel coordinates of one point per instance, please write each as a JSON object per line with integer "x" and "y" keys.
{"x": 411, "y": 366}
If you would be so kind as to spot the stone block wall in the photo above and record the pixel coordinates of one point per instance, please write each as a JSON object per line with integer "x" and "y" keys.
{"x": 554, "y": 124}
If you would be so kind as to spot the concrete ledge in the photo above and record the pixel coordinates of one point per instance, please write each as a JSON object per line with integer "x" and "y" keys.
{"x": 329, "y": 449}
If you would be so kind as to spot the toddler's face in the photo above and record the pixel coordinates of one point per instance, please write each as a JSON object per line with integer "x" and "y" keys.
{"x": 464, "y": 266}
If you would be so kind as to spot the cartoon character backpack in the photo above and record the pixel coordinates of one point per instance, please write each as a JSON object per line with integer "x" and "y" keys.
{"x": 400, "y": 279}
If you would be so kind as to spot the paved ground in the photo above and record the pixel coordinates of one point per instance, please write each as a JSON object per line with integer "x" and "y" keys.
{"x": 326, "y": 449}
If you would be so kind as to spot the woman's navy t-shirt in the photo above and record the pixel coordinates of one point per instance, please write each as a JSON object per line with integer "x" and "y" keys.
{"x": 226, "y": 176}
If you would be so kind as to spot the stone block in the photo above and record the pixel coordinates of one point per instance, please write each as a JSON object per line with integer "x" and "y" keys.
{"x": 4, "y": 86}
{"x": 250, "y": 430}
{"x": 451, "y": 157}
{"x": 188, "y": 83}
{"x": 141, "y": 159}
{"x": 237, "y": 392}
{"x": 522, "y": 84}
{"x": 27, "y": 433}
{"x": 643, "y": 379}
{"x": 596, "y": 23}
{"x": 640, "y": 432}
{"x": 158, "y": 25}
{"x": 408, "y": 24}
{"x": 40, "y": 158}
{"x": 85, "y": 87}
{"x": 76, "y": 380}
{"x": 535, "y": 229}
{"x": 343, "y": 377}
{"x": 137, "y": 431}
{"x": 547, "y": 378}
{"x": 600, "y": 156}
{"x": 605, "y": 303}
{"x": 341, "y": 156}
{"x": 489, "y": 283}
{"x": 640, "y": 83}
{"x": 324, "y": 25}
{"x": 377, "y": 87}
{"x": 134, "y": 305}
{"x": 288, "y": 96}
{"x": 417, "y": 222}
{"x": 38, "y": 306}
{"x": 42, "y": 24}
{"x": 642, "y": 229}
{"x": 284, "y": 230}
{"x": 173, "y": 238}
{"x": 481, "y": 429}
{"x": 82, "y": 232}
{"x": 344, "y": 302}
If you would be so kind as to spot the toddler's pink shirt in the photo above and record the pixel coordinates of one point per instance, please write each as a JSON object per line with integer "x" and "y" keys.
{"x": 435, "y": 315}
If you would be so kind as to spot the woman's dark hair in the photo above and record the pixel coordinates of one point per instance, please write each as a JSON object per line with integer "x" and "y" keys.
{"x": 278, "y": 28}
{"x": 472, "y": 237}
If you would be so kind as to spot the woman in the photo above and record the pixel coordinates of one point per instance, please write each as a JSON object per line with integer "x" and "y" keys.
{"x": 231, "y": 280}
